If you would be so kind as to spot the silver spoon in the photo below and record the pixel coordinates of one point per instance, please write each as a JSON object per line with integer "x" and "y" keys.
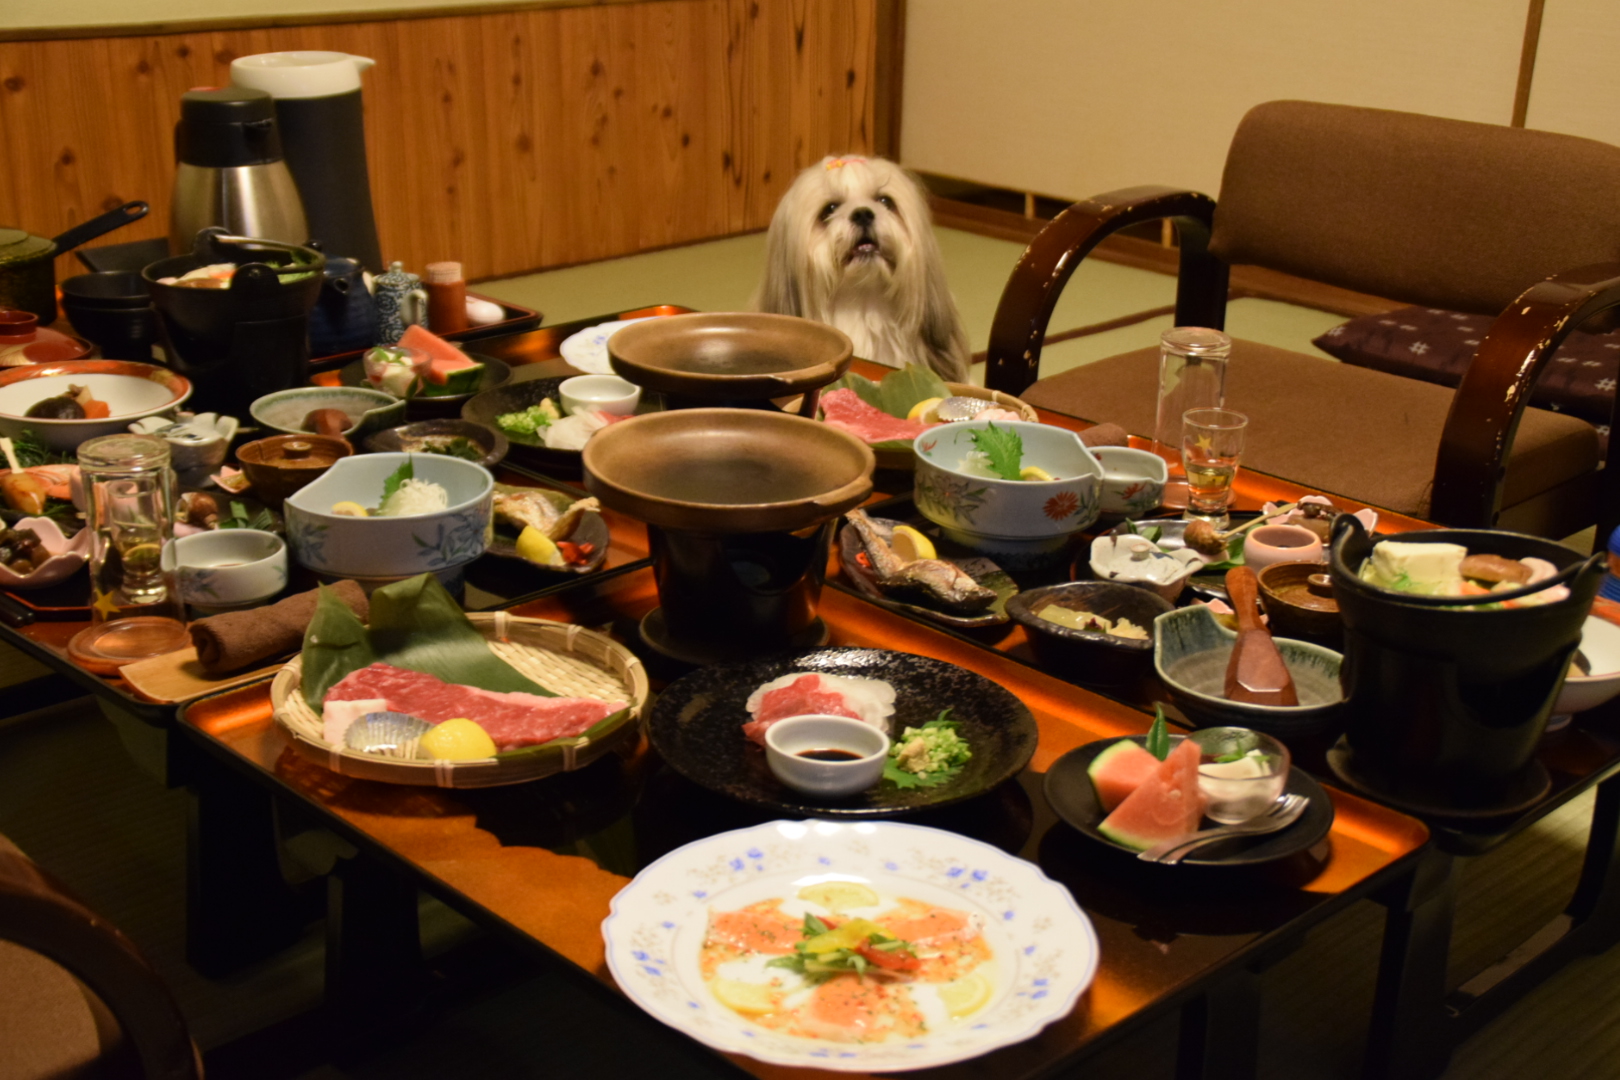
{"x": 1283, "y": 813}
{"x": 956, "y": 408}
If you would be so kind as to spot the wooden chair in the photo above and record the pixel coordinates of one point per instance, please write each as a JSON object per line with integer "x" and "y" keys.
{"x": 79, "y": 998}
{"x": 1523, "y": 225}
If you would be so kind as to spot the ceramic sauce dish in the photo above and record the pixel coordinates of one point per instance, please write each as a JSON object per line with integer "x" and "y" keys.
{"x": 830, "y": 756}
{"x": 1281, "y": 543}
{"x": 609, "y": 393}
{"x": 1132, "y": 480}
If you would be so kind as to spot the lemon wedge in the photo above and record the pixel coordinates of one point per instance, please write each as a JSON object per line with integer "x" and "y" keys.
{"x": 924, "y": 410}
{"x": 458, "y": 740}
{"x": 1034, "y": 472}
{"x": 536, "y": 547}
{"x": 968, "y": 994}
{"x": 911, "y": 545}
{"x": 750, "y": 999}
{"x": 350, "y": 509}
{"x": 839, "y": 896}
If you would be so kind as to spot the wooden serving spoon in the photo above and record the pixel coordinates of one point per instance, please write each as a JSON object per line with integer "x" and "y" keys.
{"x": 1256, "y": 673}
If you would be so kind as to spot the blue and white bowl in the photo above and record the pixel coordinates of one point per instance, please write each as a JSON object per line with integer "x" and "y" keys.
{"x": 987, "y": 512}
{"x": 388, "y": 547}
{"x": 226, "y": 568}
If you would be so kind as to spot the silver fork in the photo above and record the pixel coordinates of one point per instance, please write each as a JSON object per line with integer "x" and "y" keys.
{"x": 1283, "y": 813}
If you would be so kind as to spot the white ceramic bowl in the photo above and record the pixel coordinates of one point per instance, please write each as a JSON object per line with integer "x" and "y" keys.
{"x": 228, "y": 567}
{"x": 66, "y": 555}
{"x": 132, "y": 391}
{"x": 608, "y": 393}
{"x": 969, "y": 507}
{"x": 385, "y": 547}
{"x": 1135, "y": 560}
{"x": 1132, "y": 480}
{"x": 787, "y": 740}
{"x": 369, "y": 410}
{"x": 1600, "y": 643}
{"x": 1270, "y": 544}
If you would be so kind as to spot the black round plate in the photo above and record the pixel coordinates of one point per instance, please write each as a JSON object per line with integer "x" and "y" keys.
{"x": 697, "y": 724}
{"x": 526, "y": 449}
{"x": 590, "y": 530}
{"x": 497, "y": 373}
{"x": 1069, "y": 791}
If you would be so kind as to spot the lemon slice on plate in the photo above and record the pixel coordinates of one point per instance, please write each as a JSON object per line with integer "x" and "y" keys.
{"x": 1034, "y": 472}
{"x": 911, "y": 545}
{"x": 536, "y": 547}
{"x": 744, "y": 997}
{"x": 925, "y": 410}
{"x": 966, "y": 995}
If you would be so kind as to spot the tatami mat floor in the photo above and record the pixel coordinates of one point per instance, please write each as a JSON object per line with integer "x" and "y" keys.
{"x": 83, "y": 796}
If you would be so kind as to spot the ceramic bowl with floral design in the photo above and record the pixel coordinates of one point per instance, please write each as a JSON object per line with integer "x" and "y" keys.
{"x": 379, "y": 547}
{"x": 1132, "y": 480}
{"x": 974, "y": 506}
{"x": 225, "y": 568}
{"x": 66, "y": 555}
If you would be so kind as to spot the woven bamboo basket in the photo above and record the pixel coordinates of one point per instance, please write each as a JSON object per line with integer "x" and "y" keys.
{"x": 906, "y": 460}
{"x": 568, "y": 660}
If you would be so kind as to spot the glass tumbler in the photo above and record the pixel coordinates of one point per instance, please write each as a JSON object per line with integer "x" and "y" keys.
{"x": 1192, "y": 375}
{"x": 136, "y": 610}
{"x": 1211, "y": 447}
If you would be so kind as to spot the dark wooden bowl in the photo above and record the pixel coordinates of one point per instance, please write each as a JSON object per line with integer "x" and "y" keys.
{"x": 280, "y": 465}
{"x": 1295, "y": 608}
{"x": 722, "y": 471}
{"x": 1086, "y": 656}
{"x": 730, "y": 356}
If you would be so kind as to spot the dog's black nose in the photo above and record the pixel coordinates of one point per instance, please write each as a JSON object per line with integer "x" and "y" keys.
{"x": 863, "y": 217}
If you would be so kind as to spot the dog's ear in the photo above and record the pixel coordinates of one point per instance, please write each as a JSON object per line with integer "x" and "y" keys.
{"x": 780, "y": 292}
{"x": 941, "y": 324}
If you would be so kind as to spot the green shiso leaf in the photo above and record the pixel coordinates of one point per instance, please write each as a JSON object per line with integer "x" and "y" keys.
{"x": 1004, "y": 449}
{"x": 1158, "y": 736}
{"x": 395, "y": 482}
{"x": 416, "y": 624}
{"x": 335, "y": 643}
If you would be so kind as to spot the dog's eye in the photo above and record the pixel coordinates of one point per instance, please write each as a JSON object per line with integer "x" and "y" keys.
{"x": 828, "y": 211}
{"x": 889, "y": 203}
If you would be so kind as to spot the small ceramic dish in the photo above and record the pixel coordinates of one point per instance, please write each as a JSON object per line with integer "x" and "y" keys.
{"x": 1270, "y": 544}
{"x": 1190, "y": 652}
{"x": 587, "y": 349}
{"x": 1298, "y": 600}
{"x": 828, "y": 756}
{"x": 377, "y": 547}
{"x": 1600, "y": 646}
{"x": 226, "y": 568}
{"x": 591, "y": 530}
{"x": 285, "y": 411}
{"x": 984, "y": 571}
{"x": 527, "y": 449}
{"x": 281, "y": 464}
{"x": 972, "y": 509}
{"x": 416, "y": 438}
{"x": 196, "y": 440}
{"x": 1132, "y": 480}
{"x": 1133, "y": 559}
{"x": 608, "y": 393}
{"x": 66, "y": 555}
{"x": 132, "y": 392}
{"x": 1242, "y": 773}
{"x": 1089, "y": 656}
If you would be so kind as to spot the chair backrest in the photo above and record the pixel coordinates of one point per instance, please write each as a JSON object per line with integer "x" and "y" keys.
{"x": 1428, "y": 211}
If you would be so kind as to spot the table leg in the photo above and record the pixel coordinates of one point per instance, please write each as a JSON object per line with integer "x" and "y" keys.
{"x": 374, "y": 965}
{"x": 1220, "y": 1031}
{"x": 1409, "y": 1038}
{"x": 1595, "y": 906}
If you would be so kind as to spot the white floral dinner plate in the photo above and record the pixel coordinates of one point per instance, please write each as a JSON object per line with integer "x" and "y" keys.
{"x": 587, "y": 350}
{"x": 1043, "y": 950}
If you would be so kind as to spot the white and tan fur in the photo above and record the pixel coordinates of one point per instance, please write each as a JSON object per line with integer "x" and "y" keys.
{"x": 852, "y": 245}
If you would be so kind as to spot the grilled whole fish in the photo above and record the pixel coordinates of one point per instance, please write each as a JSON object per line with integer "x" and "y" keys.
{"x": 933, "y": 582}
{"x": 533, "y": 508}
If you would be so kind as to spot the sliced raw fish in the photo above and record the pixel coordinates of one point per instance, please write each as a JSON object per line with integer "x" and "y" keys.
{"x": 512, "y": 719}
{"x": 801, "y": 693}
{"x": 844, "y": 409}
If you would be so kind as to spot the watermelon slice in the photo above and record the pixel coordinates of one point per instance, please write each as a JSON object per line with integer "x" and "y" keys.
{"x": 1168, "y": 804}
{"x": 1120, "y": 770}
{"x": 447, "y": 366}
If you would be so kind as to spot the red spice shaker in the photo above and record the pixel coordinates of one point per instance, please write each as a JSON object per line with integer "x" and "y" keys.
{"x": 447, "y": 297}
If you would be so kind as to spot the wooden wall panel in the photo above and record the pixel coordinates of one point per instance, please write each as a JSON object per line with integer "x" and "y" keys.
{"x": 511, "y": 140}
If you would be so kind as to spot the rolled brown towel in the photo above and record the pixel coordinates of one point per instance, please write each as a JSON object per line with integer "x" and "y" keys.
{"x": 230, "y": 642}
{"x": 1105, "y": 435}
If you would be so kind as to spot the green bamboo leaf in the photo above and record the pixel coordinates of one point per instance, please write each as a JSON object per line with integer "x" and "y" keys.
{"x": 416, "y": 624}
{"x": 335, "y": 643}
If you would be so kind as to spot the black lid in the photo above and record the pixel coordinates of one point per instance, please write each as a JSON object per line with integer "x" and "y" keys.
{"x": 227, "y": 127}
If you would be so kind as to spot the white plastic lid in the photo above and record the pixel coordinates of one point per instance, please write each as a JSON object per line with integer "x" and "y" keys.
{"x": 300, "y": 74}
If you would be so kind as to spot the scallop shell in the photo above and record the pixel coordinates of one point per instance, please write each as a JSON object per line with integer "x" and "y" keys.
{"x": 387, "y": 734}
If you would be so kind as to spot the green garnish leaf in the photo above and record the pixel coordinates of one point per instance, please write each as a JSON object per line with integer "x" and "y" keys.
{"x": 952, "y": 753}
{"x": 1154, "y": 533}
{"x": 1158, "y": 736}
{"x": 1226, "y": 759}
{"x": 395, "y": 482}
{"x": 898, "y": 391}
{"x": 335, "y": 643}
{"x": 1004, "y": 449}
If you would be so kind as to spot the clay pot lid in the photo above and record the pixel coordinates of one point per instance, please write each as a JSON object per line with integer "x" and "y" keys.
{"x": 730, "y": 356}
{"x": 727, "y": 470}
{"x": 295, "y": 451}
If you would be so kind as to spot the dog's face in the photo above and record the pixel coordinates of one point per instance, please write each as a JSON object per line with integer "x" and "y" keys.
{"x": 852, "y": 219}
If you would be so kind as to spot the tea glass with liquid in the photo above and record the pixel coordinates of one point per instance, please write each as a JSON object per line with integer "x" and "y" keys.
{"x": 1211, "y": 447}
{"x": 1192, "y": 375}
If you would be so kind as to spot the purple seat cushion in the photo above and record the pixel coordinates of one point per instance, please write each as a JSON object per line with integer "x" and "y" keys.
{"x": 1436, "y": 346}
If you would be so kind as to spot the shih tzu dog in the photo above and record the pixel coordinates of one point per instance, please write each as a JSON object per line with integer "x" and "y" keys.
{"x": 852, "y": 244}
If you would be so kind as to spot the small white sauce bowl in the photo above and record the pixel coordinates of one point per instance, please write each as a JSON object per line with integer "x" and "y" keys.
{"x": 608, "y": 393}
{"x": 229, "y": 567}
{"x": 787, "y": 740}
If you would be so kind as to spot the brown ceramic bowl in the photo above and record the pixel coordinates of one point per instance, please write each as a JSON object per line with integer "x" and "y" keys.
{"x": 1296, "y": 607}
{"x": 730, "y": 356}
{"x": 491, "y": 444}
{"x": 281, "y": 464}
{"x": 724, "y": 471}
{"x": 1088, "y": 656}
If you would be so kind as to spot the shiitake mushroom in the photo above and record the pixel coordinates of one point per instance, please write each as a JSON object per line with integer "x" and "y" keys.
{"x": 61, "y": 407}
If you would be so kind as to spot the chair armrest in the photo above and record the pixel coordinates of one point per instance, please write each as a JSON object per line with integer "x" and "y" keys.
{"x": 1032, "y": 291}
{"x": 40, "y": 915}
{"x": 1495, "y": 391}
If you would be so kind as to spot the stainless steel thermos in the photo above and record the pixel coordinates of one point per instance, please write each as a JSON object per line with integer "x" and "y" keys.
{"x": 230, "y": 170}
